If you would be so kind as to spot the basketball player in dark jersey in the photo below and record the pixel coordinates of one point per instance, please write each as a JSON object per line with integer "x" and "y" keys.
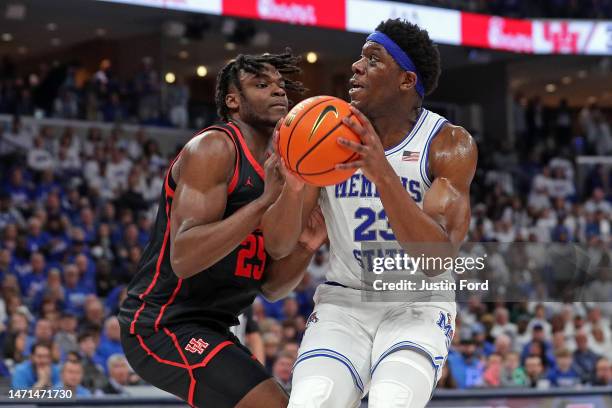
{"x": 207, "y": 259}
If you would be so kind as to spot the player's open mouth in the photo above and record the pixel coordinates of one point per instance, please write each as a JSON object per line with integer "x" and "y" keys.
{"x": 355, "y": 86}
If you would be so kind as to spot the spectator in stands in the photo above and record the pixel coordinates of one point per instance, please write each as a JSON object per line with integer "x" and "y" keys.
{"x": 43, "y": 333}
{"x": 536, "y": 377}
{"x": 271, "y": 345}
{"x": 539, "y": 346}
{"x": 16, "y": 337}
{"x": 492, "y": 373}
{"x": 117, "y": 170}
{"x": 39, "y": 158}
{"x": 93, "y": 373}
{"x": 598, "y": 342}
{"x": 503, "y": 324}
{"x": 51, "y": 291}
{"x": 598, "y": 202}
{"x": 466, "y": 367}
{"x": 72, "y": 377}
{"x": 512, "y": 374}
{"x": 603, "y": 372}
{"x": 93, "y": 318}
{"x": 503, "y": 344}
{"x": 37, "y": 238}
{"x": 17, "y": 141}
{"x": 38, "y": 373}
{"x": 177, "y": 99}
{"x": 118, "y": 375}
{"x": 584, "y": 358}
{"x": 9, "y": 214}
{"x": 66, "y": 336}
{"x": 281, "y": 370}
{"x": 75, "y": 290}
{"x": 563, "y": 374}
{"x": 110, "y": 343}
{"x": 18, "y": 189}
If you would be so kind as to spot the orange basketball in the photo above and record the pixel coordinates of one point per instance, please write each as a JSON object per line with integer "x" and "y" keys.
{"x": 308, "y": 140}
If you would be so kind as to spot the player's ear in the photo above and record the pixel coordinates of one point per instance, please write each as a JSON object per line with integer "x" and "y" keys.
{"x": 408, "y": 80}
{"x": 232, "y": 101}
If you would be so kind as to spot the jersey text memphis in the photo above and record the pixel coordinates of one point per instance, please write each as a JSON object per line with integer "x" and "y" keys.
{"x": 353, "y": 210}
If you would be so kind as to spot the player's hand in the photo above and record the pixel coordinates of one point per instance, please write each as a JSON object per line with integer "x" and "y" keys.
{"x": 274, "y": 180}
{"x": 294, "y": 183}
{"x": 315, "y": 233}
{"x": 372, "y": 159}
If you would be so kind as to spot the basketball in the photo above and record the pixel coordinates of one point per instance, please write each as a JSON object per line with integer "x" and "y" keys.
{"x": 308, "y": 140}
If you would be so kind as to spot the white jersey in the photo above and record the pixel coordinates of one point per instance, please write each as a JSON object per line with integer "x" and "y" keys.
{"x": 354, "y": 212}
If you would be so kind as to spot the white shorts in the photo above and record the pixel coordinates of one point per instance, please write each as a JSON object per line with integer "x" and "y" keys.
{"x": 360, "y": 334}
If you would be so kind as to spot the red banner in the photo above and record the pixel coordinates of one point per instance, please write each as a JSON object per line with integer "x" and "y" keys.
{"x": 485, "y": 31}
{"x": 321, "y": 13}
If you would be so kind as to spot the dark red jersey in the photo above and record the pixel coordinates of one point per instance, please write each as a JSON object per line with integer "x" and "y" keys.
{"x": 215, "y": 296}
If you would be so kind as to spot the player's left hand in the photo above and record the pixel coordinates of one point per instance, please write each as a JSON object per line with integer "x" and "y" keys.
{"x": 372, "y": 159}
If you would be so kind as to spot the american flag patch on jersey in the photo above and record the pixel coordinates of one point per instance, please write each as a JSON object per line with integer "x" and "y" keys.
{"x": 410, "y": 156}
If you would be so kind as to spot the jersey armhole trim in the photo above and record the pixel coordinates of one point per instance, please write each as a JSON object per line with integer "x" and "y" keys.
{"x": 425, "y": 157}
{"x": 236, "y": 174}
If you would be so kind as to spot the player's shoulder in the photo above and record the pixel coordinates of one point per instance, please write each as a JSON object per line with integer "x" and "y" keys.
{"x": 210, "y": 153}
{"x": 210, "y": 143}
{"x": 453, "y": 138}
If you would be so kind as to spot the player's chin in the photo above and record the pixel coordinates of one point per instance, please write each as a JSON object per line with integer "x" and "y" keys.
{"x": 276, "y": 113}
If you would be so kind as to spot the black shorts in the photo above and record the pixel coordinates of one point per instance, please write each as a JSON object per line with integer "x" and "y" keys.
{"x": 204, "y": 367}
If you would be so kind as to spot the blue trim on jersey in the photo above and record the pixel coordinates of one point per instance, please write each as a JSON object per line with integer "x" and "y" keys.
{"x": 423, "y": 165}
{"x": 336, "y": 356}
{"x": 422, "y": 115}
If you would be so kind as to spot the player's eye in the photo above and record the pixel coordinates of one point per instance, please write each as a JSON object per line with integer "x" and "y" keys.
{"x": 261, "y": 85}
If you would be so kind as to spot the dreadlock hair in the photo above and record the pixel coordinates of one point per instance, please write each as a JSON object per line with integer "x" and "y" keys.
{"x": 285, "y": 63}
{"x": 416, "y": 43}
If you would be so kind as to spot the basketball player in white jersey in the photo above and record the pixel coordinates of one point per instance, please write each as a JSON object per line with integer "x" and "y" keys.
{"x": 412, "y": 185}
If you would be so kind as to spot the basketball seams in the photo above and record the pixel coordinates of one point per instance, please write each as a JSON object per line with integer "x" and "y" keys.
{"x": 320, "y": 173}
{"x": 321, "y": 140}
{"x": 297, "y": 120}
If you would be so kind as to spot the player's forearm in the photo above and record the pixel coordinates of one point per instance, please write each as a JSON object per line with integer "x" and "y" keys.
{"x": 199, "y": 247}
{"x": 408, "y": 222}
{"x": 282, "y": 223}
{"x": 283, "y": 275}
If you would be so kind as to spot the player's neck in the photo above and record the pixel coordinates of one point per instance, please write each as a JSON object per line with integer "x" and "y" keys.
{"x": 392, "y": 127}
{"x": 256, "y": 138}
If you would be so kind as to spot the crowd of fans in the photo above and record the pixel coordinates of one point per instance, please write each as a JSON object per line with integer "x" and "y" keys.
{"x": 528, "y": 9}
{"x": 67, "y": 91}
{"x": 75, "y": 215}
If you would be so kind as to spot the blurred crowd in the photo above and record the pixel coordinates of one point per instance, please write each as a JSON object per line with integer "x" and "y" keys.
{"x": 76, "y": 211}
{"x": 594, "y": 9}
{"x": 75, "y": 215}
{"x": 65, "y": 90}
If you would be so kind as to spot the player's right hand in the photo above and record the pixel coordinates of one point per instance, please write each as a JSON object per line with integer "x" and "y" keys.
{"x": 294, "y": 183}
{"x": 274, "y": 180}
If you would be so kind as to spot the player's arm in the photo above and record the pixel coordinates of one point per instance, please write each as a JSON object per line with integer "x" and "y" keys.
{"x": 199, "y": 237}
{"x": 284, "y": 220}
{"x": 446, "y": 207}
{"x": 445, "y": 215}
{"x": 283, "y": 275}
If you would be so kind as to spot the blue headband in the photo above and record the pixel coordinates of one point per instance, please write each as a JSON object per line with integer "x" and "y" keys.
{"x": 402, "y": 59}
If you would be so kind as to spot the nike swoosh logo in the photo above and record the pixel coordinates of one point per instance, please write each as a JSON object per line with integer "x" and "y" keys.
{"x": 322, "y": 115}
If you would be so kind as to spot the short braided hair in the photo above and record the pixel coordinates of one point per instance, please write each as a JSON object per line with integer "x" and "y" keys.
{"x": 285, "y": 63}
